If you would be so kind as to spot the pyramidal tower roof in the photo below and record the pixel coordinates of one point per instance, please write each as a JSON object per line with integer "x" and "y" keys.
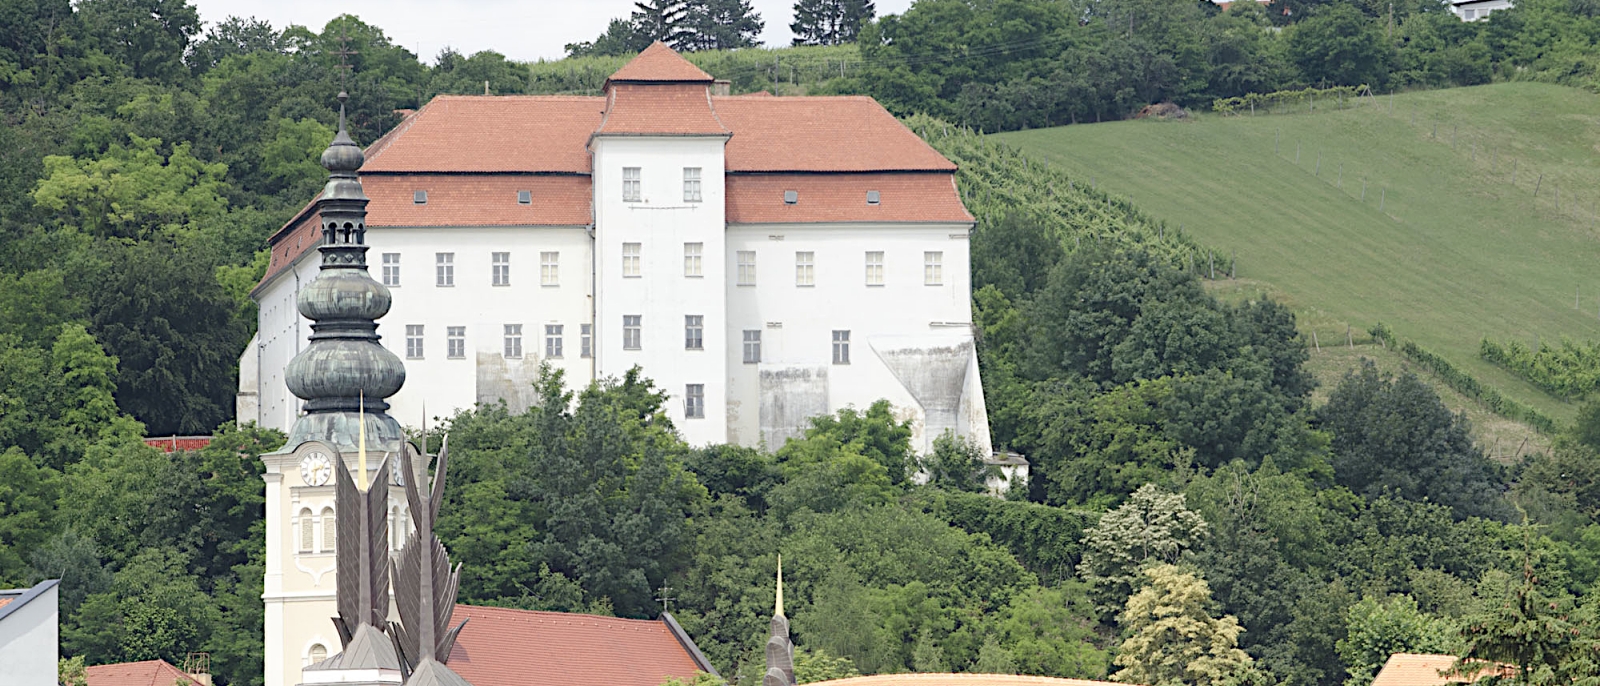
{"x": 659, "y": 63}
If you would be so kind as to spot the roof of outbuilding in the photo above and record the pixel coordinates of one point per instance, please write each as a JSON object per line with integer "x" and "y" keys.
{"x": 1411, "y": 669}
{"x": 506, "y": 647}
{"x": 659, "y": 62}
{"x": 147, "y": 673}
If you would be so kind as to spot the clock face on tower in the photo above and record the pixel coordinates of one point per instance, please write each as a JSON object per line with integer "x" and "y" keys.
{"x": 316, "y": 469}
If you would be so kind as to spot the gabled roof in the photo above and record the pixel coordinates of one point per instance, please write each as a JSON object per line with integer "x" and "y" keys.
{"x": 506, "y": 647}
{"x": 846, "y": 133}
{"x": 147, "y": 673}
{"x": 492, "y": 134}
{"x": 1410, "y": 669}
{"x": 659, "y": 63}
{"x": 960, "y": 680}
{"x": 671, "y": 109}
{"x": 823, "y": 198}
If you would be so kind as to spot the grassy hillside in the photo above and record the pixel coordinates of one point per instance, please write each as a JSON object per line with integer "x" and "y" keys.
{"x": 1444, "y": 247}
{"x": 798, "y": 70}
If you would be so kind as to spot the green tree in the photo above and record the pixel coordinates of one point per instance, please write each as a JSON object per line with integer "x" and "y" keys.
{"x": 233, "y": 36}
{"x": 134, "y": 191}
{"x": 1047, "y": 631}
{"x": 28, "y": 496}
{"x": 817, "y": 665}
{"x": 830, "y": 22}
{"x": 956, "y": 464}
{"x": 721, "y": 25}
{"x": 155, "y": 609}
{"x": 1337, "y": 46}
{"x": 1172, "y": 637}
{"x": 1380, "y": 628}
{"x": 663, "y": 20}
{"x": 621, "y": 37}
{"x": 150, "y": 37}
{"x": 1153, "y": 527}
{"x": 1531, "y": 627}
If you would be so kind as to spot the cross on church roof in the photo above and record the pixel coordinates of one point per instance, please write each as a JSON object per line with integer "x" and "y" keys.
{"x": 344, "y": 52}
{"x": 664, "y": 599}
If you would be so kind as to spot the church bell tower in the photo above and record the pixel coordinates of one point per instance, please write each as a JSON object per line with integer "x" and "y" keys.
{"x": 344, "y": 376}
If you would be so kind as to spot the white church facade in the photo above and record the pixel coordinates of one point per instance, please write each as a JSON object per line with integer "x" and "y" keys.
{"x": 762, "y": 259}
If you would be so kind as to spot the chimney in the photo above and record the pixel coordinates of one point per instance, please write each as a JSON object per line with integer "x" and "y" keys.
{"x": 721, "y": 87}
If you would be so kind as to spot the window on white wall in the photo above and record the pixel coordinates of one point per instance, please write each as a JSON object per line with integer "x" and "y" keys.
{"x": 308, "y": 532}
{"x": 552, "y": 340}
{"x": 329, "y": 531}
{"x": 933, "y": 268}
{"x": 444, "y": 268}
{"x": 691, "y": 184}
{"x": 413, "y": 341}
{"x": 317, "y": 654}
{"x": 747, "y": 268}
{"x": 391, "y": 269}
{"x": 550, "y": 269}
{"x": 502, "y": 268}
{"x": 694, "y": 401}
{"x": 630, "y": 260}
{"x": 455, "y": 342}
{"x": 513, "y": 341}
{"x": 694, "y": 328}
{"x": 841, "y": 347}
{"x": 752, "y": 346}
{"x": 586, "y": 339}
{"x": 875, "y": 268}
{"x": 630, "y": 185}
{"x": 631, "y": 325}
{"x": 692, "y": 253}
{"x": 804, "y": 268}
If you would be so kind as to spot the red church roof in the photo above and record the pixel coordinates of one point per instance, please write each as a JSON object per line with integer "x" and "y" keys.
{"x": 147, "y": 673}
{"x": 505, "y": 647}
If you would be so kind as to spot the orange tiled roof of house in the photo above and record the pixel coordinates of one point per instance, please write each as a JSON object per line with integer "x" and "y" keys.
{"x": 759, "y": 198}
{"x": 505, "y": 647}
{"x": 477, "y": 200}
{"x": 659, "y": 63}
{"x": 960, "y": 680}
{"x": 661, "y": 110}
{"x": 841, "y": 133}
{"x": 147, "y": 673}
{"x": 1410, "y": 669}
{"x": 491, "y": 134}
{"x": 174, "y": 443}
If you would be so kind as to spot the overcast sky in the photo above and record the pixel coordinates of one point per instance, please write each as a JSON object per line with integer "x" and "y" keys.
{"x": 519, "y": 29}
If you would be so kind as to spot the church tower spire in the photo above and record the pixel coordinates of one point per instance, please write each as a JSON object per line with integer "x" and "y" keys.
{"x": 780, "y": 652}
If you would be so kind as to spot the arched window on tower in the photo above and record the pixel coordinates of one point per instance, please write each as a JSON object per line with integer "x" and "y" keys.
{"x": 328, "y": 535}
{"x": 400, "y": 529}
{"x": 307, "y": 530}
{"x": 317, "y": 654}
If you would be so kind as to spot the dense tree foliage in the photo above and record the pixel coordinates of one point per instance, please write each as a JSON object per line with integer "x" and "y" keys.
{"x": 686, "y": 25}
{"x": 830, "y": 22}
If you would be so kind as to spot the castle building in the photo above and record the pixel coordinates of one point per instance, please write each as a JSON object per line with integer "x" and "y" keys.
{"x": 763, "y": 259}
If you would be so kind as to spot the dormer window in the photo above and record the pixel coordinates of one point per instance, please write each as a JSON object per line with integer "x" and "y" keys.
{"x": 524, "y": 197}
{"x": 872, "y": 197}
{"x": 419, "y": 197}
{"x": 791, "y": 197}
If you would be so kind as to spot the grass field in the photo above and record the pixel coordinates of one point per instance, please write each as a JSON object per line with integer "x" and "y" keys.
{"x": 1455, "y": 252}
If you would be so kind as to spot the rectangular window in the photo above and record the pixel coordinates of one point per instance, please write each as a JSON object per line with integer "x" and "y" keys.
{"x": 455, "y": 338}
{"x": 875, "y": 268}
{"x": 586, "y": 339}
{"x": 630, "y": 185}
{"x": 630, "y": 331}
{"x": 552, "y": 340}
{"x": 391, "y": 269}
{"x": 747, "y": 267}
{"x": 630, "y": 260}
{"x": 691, "y": 258}
{"x": 804, "y": 273}
{"x": 513, "y": 347}
{"x": 502, "y": 268}
{"x": 694, "y": 332}
{"x": 445, "y": 268}
{"x": 752, "y": 346}
{"x": 550, "y": 269}
{"x": 413, "y": 341}
{"x": 841, "y": 347}
{"x": 933, "y": 268}
{"x": 691, "y": 184}
{"x": 694, "y": 401}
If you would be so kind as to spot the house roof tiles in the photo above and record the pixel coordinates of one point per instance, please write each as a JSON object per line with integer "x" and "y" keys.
{"x": 147, "y": 673}
{"x": 821, "y": 134}
{"x": 1410, "y": 669}
{"x": 672, "y": 109}
{"x": 659, "y": 63}
{"x": 505, "y": 647}
{"x": 759, "y": 198}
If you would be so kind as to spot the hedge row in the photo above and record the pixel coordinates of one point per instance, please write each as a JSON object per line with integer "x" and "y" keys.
{"x": 1465, "y": 383}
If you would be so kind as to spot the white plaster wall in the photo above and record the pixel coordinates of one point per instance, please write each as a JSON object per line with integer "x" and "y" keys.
{"x": 280, "y": 334}
{"x": 1481, "y": 10}
{"x": 797, "y": 322}
{"x": 662, "y": 222}
{"x": 29, "y": 642}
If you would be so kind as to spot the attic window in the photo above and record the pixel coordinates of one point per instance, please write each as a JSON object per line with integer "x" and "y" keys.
{"x": 791, "y": 197}
{"x": 524, "y": 197}
{"x": 872, "y": 197}
{"x": 419, "y": 197}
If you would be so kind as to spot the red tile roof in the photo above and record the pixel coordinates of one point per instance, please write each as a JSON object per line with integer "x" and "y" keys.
{"x": 173, "y": 443}
{"x": 659, "y": 63}
{"x": 494, "y": 133}
{"x": 673, "y": 109}
{"x": 821, "y": 134}
{"x": 558, "y": 200}
{"x": 1410, "y": 669}
{"x": 504, "y": 647}
{"x": 921, "y": 197}
{"x": 147, "y": 673}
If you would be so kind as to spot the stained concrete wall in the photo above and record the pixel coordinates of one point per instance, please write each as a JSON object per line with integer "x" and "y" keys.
{"x": 790, "y": 396}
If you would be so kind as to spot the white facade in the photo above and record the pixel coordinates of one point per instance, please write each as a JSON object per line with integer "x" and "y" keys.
{"x": 29, "y": 636}
{"x": 1474, "y": 10}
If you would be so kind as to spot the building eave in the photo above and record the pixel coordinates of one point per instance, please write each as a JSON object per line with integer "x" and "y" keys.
{"x": 27, "y": 596}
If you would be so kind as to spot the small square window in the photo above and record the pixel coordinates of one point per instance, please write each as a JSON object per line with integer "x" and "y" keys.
{"x": 586, "y": 338}
{"x": 631, "y": 334}
{"x": 631, "y": 260}
{"x": 502, "y": 268}
{"x": 694, "y": 401}
{"x": 630, "y": 185}
{"x": 552, "y": 340}
{"x": 413, "y": 341}
{"x": 513, "y": 341}
{"x": 391, "y": 269}
{"x": 933, "y": 268}
{"x": 691, "y": 184}
{"x": 419, "y": 197}
{"x": 691, "y": 259}
{"x": 524, "y": 197}
{"x": 752, "y": 346}
{"x": 873, "y": 198}
{"x": 875, "y": 268}
{"x": 747, "y": 267}
{"x": 791, "y": 197}
{"x": 841, "y": 347}
{"x": 455, "y": 338}
{"x": 550, "y": 269}
{"x": 694, "y": 332}
{"x": 805, "y": 268}
{"x": 444, "y": 269}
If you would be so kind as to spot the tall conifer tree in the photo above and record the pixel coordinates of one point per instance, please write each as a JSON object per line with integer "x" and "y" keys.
{"x": 830, "y": 22}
